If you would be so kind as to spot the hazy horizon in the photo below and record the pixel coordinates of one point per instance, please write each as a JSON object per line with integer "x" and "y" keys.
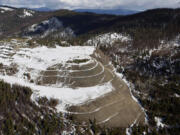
{"x": 94, "y": 4}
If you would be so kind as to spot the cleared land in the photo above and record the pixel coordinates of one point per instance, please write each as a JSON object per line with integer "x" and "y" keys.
{"x": 115, "y": 109}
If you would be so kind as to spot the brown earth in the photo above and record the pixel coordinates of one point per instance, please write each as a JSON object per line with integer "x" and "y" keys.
{"x": 115, "y": 109}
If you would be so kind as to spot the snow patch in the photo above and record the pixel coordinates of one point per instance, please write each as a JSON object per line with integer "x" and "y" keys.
{"x": 27, "y": 13}
{"x": 176, "y": 95}
{"x": 107, "y": 39}
{"x": 159, "y": 123}
{"x": 6, "y": 9}
{"x": 66, "y": 96}
{"x": 49, "y": 26}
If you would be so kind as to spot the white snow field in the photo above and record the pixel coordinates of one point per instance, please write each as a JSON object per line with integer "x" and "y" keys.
{"x": 6, "y": 9}
{"x": 36, "y": 60}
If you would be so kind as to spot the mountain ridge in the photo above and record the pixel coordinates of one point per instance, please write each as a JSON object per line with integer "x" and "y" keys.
{"x": 108, "y": 11}
{"x": 83, "y": 23}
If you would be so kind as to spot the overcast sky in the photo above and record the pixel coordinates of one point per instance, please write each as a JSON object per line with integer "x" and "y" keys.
{"x": 100, "y": 4}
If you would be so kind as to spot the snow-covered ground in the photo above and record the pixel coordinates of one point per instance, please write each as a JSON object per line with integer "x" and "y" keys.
{"x": 170, "y": 46}
{"x": 49, "y": 26}
{"x": 66, "y": 96}
{"x": 107, "y": 39}
{"x": 52, "y": 23}
{"x": 4, "y": 9}
{"x": 27, "y": 13}
{"x": 34, "y": 60}
{"x": 42, "y": 57}
{"x": 159, "y": 123}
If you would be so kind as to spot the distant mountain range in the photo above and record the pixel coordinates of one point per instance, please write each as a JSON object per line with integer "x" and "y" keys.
{"x": 108, "y": 11}
{"x": 97, "y": 11}
{"x": 42, "y": 9}
{"x": 83, "y": 23}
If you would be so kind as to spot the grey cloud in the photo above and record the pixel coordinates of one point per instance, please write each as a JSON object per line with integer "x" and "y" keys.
{"x": 108, "y": 4}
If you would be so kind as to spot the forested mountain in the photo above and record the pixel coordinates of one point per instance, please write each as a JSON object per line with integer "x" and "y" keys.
{"x": 82, "y": 23}
{"x": 110, "y": 11}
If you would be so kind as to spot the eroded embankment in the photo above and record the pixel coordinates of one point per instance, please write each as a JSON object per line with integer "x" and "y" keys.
{"x": 115, "y": 109}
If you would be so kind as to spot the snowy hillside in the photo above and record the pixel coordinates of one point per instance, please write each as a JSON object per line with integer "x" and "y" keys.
{"x": 34, "y": 61}
{"x": 27, "y": 13}
{"x": 107, "y": 39}
{"x": 153, "y": 74}
{"x": 47, "y": 27}
{"x": 5, "y": 9}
